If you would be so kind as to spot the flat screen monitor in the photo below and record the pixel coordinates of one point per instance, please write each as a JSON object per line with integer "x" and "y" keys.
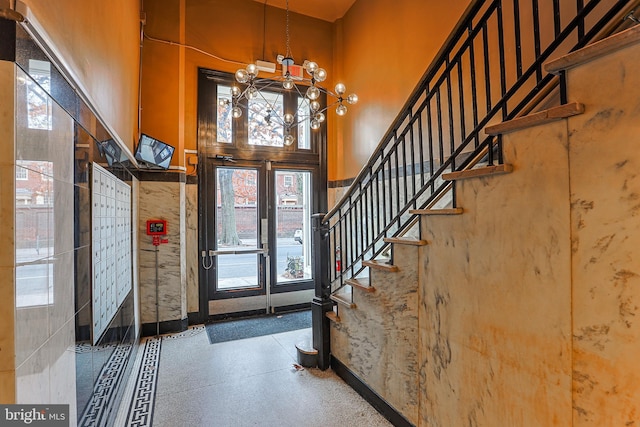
{"x": 111, "y": 151}
{"x": 154, "y": 153}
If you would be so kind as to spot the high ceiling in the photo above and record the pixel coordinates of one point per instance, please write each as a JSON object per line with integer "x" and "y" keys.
{"x": 327, "y": 10}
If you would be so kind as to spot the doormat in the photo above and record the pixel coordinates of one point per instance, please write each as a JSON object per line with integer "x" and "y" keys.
{"x": 230, "y": 330}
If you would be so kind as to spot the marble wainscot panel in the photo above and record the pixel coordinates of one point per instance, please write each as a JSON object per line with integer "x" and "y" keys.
{"x": 135, "y": 252}
{"x": 495, "y": 318}
{"x": 605, "y": 224}
{"x": 162, "y": 200}
{"x": 7, "y": 233}
{"x": 334, "y": 194}
{"x": 377, "y": 339}
{"x": 192, "y": 258}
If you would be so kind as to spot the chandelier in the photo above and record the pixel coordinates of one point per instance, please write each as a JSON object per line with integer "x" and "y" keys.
{"x": 303, "y": 80}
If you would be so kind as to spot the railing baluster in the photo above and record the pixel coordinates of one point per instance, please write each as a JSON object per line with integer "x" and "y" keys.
{"x": 386, "y": 200}
{"x": 474, "y": 89}
{"x": 556, "y": 18}
{"x": 517, "y": 37}
{"x": 440, "y": 137}
{"x": 463, "y": 127}
{"x": 349, "y": 248}
{"x": 362, "y": 221}
{"x": 430, "y": 141}
{"x": 412, "y": 172}
{"x": 397, "y": 167}
{"x": 368, "y": 216}
{"x": 536, "y": 35}
{"x": 452, "y": 136}
{"x": 503, "y": 71}
{"x": 405, "y": 170}
{"x": 487, "y": 68}
{"x": 378, "y": 204}
{"x": 579, "y": 7}
{"x": 421, "y": 150}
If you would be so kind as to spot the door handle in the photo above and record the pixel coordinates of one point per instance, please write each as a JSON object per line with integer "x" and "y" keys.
{"x": 239, "y": 252}
{"x": 204, "y": 259}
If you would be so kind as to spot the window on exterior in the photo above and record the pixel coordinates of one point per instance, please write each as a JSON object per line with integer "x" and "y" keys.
{"x": 39, "y": 104}
{"x": 264, "y": 126}
{"x": 288, "y": 180}
{"x": 304, "y": 126}
{"x": 260, "y": 124}
{"x": 22, "y": 174}
{"x": 225, "y": 120}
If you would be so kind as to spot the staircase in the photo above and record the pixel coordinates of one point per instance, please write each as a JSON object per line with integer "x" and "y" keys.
{"x": 508, "y": 295}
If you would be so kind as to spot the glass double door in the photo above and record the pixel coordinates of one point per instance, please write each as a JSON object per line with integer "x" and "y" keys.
{"x": 257, "y": 245}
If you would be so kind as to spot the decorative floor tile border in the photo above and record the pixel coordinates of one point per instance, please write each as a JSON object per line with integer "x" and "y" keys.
{"x": 193, "y": 331}
{"x": 105, "y": 388}
{"x": 144, "y": 394}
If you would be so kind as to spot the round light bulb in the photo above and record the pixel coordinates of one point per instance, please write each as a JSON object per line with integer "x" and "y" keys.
{"x": 252, "y": 70}
{"x": 288, "y": 118}
{"x": 314, "y": 105}
{"x": 287, "y": 83}
{"x": 235, "y": 91}
{"x": 223, "y": 102}
{"x": 320, "y": 74}
{"x": 310, "y": 66}
{"x": 315, "y": 124}
{"x": 340, "y": 89}
{"x": 313, "y": 93}
{"x": 252, "y": 92}
{"x": 352, "y": 98}
{"x": 241, "y": 76}
{"x": 236, "y": 112}
{"x": 288, "y": 140}
{"x": 341, "y": 110}
{"x": 319, "y": 117}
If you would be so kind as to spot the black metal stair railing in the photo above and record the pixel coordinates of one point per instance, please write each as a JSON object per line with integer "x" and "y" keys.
{"x": 490, "y": 70}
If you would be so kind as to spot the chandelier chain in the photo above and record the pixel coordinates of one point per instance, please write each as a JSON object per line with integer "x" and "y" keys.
{"x": 309, "y": 111}
{"x": 288, "y": 53}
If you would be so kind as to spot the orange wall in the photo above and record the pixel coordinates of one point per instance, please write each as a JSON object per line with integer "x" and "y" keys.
{"x": 386, "y": 48}
{"x": 100, "y": 42}
{"x": 380, "y": 49}
{"x": 229, "y": 29}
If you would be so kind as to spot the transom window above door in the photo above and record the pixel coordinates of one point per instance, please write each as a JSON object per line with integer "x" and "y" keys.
{"x": 259, "y": 125}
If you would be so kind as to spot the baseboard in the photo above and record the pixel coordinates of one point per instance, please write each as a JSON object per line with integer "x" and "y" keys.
{"x": 237, "y": 315}
{"x": 293, "y": 307}
{"x": 166, "y": 327}
{"x": 368, "y": 394}
{"x": 195, "y": 318}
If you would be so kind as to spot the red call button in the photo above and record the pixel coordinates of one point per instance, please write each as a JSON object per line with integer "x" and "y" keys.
{"x": 157, "y": 241}
{"x": 156, "y": 227}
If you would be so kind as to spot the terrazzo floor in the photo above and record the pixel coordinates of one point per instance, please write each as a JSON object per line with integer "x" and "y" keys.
{"x": 182, "y": 380}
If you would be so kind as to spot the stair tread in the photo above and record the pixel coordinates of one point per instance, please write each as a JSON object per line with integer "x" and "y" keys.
{"x": 380, "y": 265}
{"x": 541, "y": 117}
{"x": 405, "y": 241}
{"x": 451, "y": 211}
{"x": 361, "y": 284}
{"x": 478, "y": 172}
{"x": 333, "y": 316}
{"x": 594, "y": 50}
{"x": 344, "y": 297}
